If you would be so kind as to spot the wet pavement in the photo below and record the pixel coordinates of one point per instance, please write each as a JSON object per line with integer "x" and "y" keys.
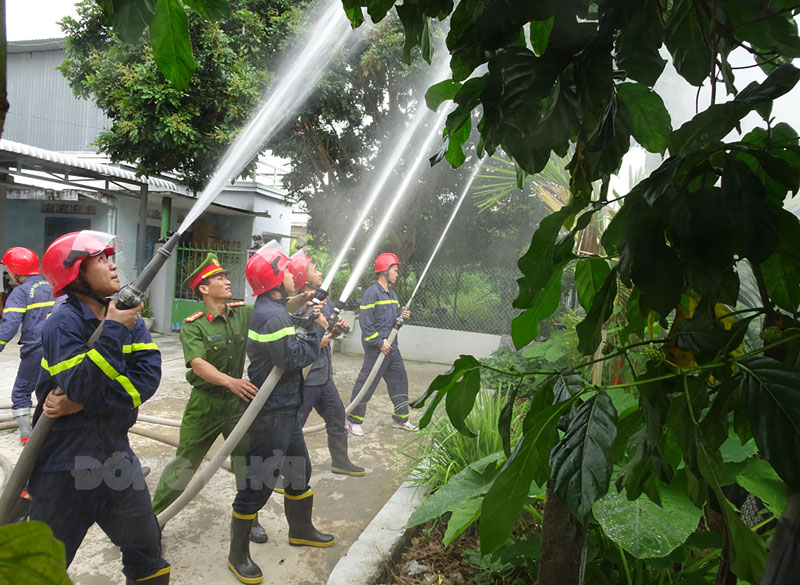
{"x": 196, "y": 540}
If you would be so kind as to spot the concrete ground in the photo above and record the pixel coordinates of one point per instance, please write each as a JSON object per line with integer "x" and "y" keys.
{"x": 196, "y": 541}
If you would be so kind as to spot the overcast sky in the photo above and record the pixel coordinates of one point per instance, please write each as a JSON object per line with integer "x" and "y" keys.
{"x": 36, "y": 19}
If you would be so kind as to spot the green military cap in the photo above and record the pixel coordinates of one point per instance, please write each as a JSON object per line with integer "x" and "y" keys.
{"x": 209, "y": 267}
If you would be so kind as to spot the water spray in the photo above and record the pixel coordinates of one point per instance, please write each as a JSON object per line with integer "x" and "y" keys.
{"x": 367, "y": 253}
{"x": 322, "y": 292}
{"x": 399, "y": 323}
{"x": 298, "y": 78}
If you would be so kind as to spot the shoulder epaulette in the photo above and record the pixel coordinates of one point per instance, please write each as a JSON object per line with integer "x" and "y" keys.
{"x": 236, "y": 304}
{"x": 191, "y": 318}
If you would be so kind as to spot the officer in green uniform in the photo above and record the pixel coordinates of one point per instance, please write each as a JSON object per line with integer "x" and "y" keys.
{"x": 213, "y": 341}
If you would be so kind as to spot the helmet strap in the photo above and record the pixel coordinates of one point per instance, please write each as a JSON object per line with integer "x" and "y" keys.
{"x": 86, "y": 290}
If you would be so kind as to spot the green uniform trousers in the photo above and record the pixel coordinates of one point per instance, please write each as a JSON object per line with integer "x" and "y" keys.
{"x": 207, "y": 414}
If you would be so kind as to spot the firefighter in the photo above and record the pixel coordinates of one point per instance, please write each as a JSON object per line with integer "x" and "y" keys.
{"x": 28, "y": 305}
{"x": 86, "y": 472}
{"x": 319, "y": 390}
{"x": 378, "y": 313}
{"x": 275, "y": 439}
{"x": 213, "y": 341}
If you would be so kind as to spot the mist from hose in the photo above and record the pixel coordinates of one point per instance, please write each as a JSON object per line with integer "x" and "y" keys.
{"x": 467, "y": 187}
{"x": 295, "y": 80}
{"x": 389, "y": 165}
{"x": 378, "y": 232}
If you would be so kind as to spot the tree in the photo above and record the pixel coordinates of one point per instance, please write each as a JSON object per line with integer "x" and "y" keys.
{"x": 158, "y": 126}
{"x": 581, "y": 73}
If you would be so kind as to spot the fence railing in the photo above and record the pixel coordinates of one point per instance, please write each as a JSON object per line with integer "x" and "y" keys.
{"x": 463, "y": 298}
{"x": 188, "y": 258}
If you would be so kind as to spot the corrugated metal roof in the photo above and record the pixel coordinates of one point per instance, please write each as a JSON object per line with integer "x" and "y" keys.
{"x": 24, "y": 157}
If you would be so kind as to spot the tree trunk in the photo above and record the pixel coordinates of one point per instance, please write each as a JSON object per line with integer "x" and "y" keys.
{"x": 563, "y": 554}
{"x": 3, "y": 58}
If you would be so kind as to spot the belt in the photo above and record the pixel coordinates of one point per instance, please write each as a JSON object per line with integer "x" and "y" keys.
{"x": 214, "y": 389}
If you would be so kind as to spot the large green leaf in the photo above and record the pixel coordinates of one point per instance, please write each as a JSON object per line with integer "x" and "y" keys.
{"x": 441, "y": 92}
{"x": 760, "y": 479}
{"x": 590, "y": 273}
{"x": 590, "y": 329}
{"x": 644, "y": 114}
{"x": 713, "y": 124}
{"x": 460, "y": 400}
{"x": 210, "y": 9}
{"x": 748, "y": 550}
{"x": 471, "y": 482}
{"x": 686, "y": 36}
{"x": 581, "y": 462}
{"x": 637, "y": 47}
{"x": 462, "y": 368}
{"x": 30, "y": 554}
{"x": 130, "y": 17}
{"x": 537, "y": 264}
{"x": 525, "y": 326}
{"x": 770, "y": 394}
{"x": 467, "y": 512}
{"x": 172, "y": 49}
{"x": 645, "y": 529}
{"x": 528, "y": 463}
{"x": 782, "y": 269}
{"x": 755, "y": 233}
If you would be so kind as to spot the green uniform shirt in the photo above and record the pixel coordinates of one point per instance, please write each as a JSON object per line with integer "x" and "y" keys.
{"x": 218, "y": 339}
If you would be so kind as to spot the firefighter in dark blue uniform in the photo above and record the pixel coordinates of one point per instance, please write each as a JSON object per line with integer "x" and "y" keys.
{"x": 86, "y": 472}
{"x": 319, "y": 390}
{"x": 377, "y": 315}
{"x": 27, "y": 306}
{"x": 275, "y": 439}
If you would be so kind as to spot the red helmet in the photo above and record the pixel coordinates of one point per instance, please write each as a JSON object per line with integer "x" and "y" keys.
{"x": 62, "y": 260}
{"x": 384, "y": 261}
{"x": 264, "y": 270}
{"x": 21, "y": 261}
{"x": 298, "y": 266}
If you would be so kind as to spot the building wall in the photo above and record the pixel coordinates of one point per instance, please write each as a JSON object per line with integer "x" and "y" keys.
{"x": 25, "y": 223}
{"x": 43, "y": 110}
{"x": 425, "y": 344}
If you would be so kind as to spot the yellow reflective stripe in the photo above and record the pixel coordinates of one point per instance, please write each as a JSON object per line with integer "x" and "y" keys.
{"x": 125, "y": 382}
{"x": 163, "y": 571}
{"x": 3, "y": 342}
{"x": 243, "y": 516}
{"x": 267, "y": 337}
{"x": 308, "y": 493}
{"x": 65, "y": 365}
{"x": 40, "y": 305}
{"x": 401, "y": 415}
{"x": 15, "y": 310}
{"x": 139, "y": 347}
{"x": 389, "y": 302}
{"x": 373, "y": 336}
{"x": 109, "y": 371}
{"x": 355, "y": 416}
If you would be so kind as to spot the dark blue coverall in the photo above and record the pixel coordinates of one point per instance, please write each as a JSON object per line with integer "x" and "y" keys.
{"x": 275, "y": 439}
{"x": 378, "y": 313}
{"x": 86, "y": 471}
{"x": 319, "y": 391}
{"x": 28, "y": 305}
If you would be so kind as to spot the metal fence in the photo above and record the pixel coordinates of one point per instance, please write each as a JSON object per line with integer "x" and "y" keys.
{"x": 232, "y": 258}
{"x": 463, "y": 298}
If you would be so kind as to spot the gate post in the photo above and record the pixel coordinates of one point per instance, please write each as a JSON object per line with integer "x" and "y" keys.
{"x": 162, "y": 293}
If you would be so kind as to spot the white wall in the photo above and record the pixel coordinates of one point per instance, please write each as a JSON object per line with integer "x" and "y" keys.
{"x": 426, "y": 344}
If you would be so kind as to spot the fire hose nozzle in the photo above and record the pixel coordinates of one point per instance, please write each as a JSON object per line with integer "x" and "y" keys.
{"x": 305, "y": 320}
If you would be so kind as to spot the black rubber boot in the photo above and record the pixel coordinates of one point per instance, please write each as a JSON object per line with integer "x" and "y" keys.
{"x": 301, "y": 530}
{"x": 257, "y": 532}
{"x": 159, "y": 580}
{"x": 239, "y": 560}
{"x": 340, "y": 462}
